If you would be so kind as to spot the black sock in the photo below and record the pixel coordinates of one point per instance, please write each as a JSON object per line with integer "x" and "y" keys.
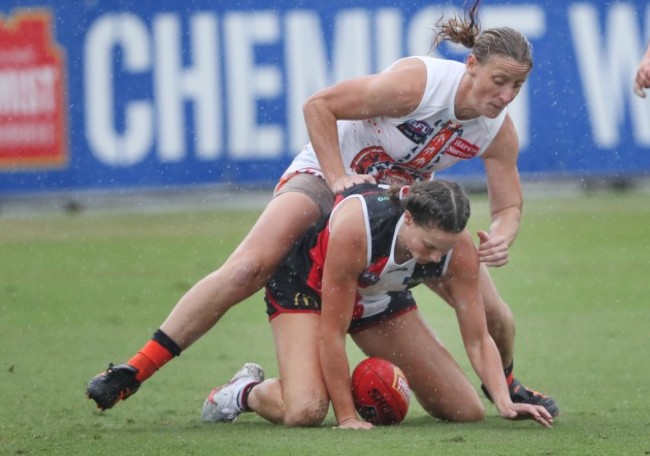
{"x": 508, "y": 371}
{"x": 244, "y": 395}
{"x": 166, "y": 341}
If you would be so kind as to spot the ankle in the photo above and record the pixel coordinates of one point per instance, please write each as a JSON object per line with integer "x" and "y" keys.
{"x": 244, "y": 396}
{"x": 153, "y": 355}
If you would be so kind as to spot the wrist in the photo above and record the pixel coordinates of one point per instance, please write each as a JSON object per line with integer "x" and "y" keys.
{"x": 346, "y": 419}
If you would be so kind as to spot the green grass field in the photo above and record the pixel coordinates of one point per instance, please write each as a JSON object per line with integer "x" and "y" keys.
{"x": 79, "y": 291}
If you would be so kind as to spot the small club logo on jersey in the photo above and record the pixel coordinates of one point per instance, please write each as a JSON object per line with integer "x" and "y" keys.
{"x": 371, "y": 275}
{"x": 33, "y": 116}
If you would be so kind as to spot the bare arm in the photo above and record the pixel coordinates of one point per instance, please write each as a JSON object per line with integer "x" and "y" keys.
{"x": 346, "y": 259}
{"x": 394, "y": 93}
{"x": 460, "y": 288}
{"x": 642, "y": 80}
{"x": 506, "y": 199}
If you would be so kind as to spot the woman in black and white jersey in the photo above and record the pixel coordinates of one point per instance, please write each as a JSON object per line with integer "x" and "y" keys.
{"x": 352, "y": 273}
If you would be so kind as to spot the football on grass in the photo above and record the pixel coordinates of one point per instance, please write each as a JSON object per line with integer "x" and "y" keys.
{"x": 381, "y": 392}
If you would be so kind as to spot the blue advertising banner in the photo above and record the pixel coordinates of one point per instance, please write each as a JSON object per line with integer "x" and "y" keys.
{"x": 116, "y": 94}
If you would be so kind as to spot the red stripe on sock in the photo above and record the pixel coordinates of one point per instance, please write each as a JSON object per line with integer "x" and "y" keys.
{"x": 509, "y": 379}
{"x": 149, "y": 359}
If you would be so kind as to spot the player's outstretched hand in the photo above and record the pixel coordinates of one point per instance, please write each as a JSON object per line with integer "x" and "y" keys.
{"x": 642, "y": 80}
{"x": 529, "y": 412}
{"x": 343, "y": 183}
{"x": 492, "y": 250}
{"x": 354, "y": 423}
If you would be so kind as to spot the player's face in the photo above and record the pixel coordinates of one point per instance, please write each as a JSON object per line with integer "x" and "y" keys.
{"x": 495, "y": 83}
{"x": 426, "y": 244}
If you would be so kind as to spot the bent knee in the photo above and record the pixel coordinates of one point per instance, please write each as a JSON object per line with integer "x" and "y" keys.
{"x": 468, "y": 414}
{"x": 241, "y": 277}
{"x": 248, "y": 274}
{"x": 309, "y": 415}
{"x": 471, "y": 416}
{"x": 467, "y": 411}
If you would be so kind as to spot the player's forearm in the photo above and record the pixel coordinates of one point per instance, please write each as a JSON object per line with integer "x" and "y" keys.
{"x": 506, "y": 223}
{"x": 486, "y": 361}
{"x": 336, "y": 370}
{"x": 323, "y": 134}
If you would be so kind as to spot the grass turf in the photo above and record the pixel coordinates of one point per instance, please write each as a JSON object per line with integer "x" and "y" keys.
{"x": 79, "y": 291}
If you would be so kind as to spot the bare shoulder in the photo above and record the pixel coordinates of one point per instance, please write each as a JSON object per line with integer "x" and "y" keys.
{"x": 409, "y": 70}
{"x": 400, "y": 89}
{"x": 505, "y": 144}
{"x": 410, "y": 63}
{"x": 347, "y": 218}
{"x": 464, "y": 263}
{"x": 347, "y": 244}
{"x": 459, "y": 284}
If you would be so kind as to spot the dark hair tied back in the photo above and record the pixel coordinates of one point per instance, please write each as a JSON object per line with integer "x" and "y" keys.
{"x": 437, "y": 203}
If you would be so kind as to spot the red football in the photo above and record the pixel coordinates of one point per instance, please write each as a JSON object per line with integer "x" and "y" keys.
{"x": 381, "y": 392}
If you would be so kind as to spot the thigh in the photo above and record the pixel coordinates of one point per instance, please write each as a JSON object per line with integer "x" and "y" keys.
{"x": 296, "y": 345}
{"x": 285, "y": 219}
{"x": 435, "y": 378}
{"x": 297, "y": 204}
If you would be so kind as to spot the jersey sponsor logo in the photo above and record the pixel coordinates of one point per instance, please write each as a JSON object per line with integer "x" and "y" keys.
{"x": 415, "y": 130}
{"x": 303, "y": 301}
{"x": 33, "y": 115}
{"x": 462, "y": 149}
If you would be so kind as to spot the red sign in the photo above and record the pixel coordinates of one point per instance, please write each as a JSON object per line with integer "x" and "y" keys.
{"x": 33, "y": 114}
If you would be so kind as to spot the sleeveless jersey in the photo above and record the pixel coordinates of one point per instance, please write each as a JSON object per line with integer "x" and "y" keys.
{"x": 402, "y": 150}
{"x": 299, "y": 277}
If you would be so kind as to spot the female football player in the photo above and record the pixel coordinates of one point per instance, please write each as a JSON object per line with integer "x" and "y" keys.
{"x": 419, "y": 116}
{"x": 352, "y": 273}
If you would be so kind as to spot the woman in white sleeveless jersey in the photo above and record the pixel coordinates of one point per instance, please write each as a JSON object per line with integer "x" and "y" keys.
{"x": 399, "y": 126}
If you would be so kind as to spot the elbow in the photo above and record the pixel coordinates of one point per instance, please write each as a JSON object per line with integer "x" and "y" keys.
{"x": 307, "y": 106}
{"x": 312, "y": 105}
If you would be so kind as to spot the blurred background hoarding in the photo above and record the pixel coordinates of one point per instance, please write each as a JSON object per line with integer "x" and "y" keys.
{"x": 117, "y": 95}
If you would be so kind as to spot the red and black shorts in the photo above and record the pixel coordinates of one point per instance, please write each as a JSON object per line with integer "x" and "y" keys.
{"x": 306, "y": 300}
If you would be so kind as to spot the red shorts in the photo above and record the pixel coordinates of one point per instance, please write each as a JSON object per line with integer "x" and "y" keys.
{"x": 306, "y": 300}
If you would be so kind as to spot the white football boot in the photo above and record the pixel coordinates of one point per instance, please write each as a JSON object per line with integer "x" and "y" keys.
{"x": 224, "y": 402}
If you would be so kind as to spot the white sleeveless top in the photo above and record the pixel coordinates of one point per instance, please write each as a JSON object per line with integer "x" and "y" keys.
{"x": 399, "y": 150}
